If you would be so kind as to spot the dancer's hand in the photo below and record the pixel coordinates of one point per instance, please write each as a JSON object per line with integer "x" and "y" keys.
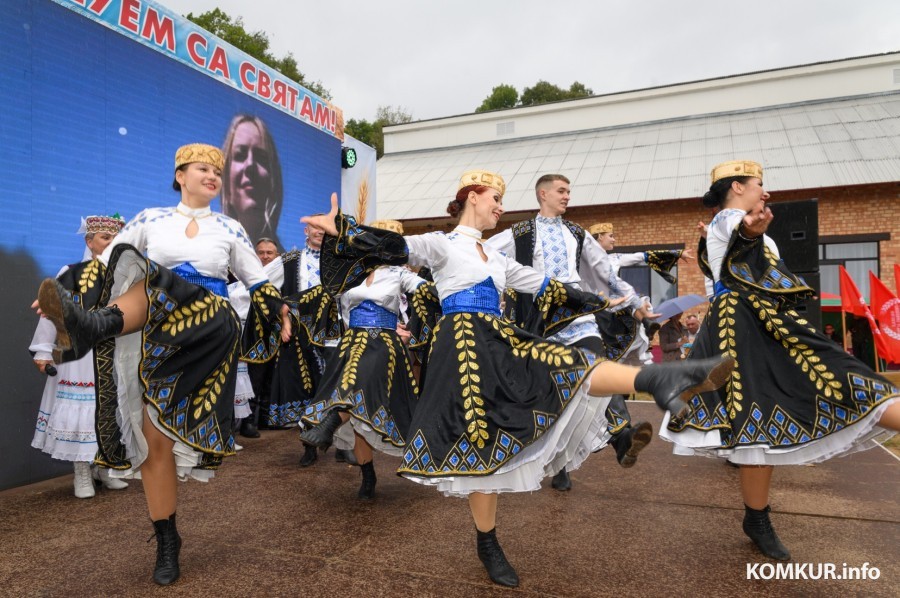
{"x": 41, "y": 364}
{"x": 37, "y": 308}
{"x": 686, "y": 256}
{"x": 325, "y": 221}
{"x": 757, "y": 221}
{"x": 702, "y": 228}
{"x": 403, "y": 333}
{"x": 617, "y": 301}
{"x": 286, "y": 331}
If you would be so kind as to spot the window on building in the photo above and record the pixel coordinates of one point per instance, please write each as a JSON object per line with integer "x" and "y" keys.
{"x": 647, "y": 282}
{"x": 858, "y": 256}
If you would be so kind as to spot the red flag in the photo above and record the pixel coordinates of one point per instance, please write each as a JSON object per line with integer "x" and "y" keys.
{"x": 887, "y": 311}
{"x": 897, "y": 278}
{"x": 851, "y": 299}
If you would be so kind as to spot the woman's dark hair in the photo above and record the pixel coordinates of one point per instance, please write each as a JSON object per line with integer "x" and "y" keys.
{"x": 455, "y": 207}
{"x": 175, "y": 184}
{"x": 715, "y": 197}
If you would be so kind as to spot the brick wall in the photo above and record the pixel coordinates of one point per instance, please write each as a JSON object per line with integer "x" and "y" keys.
{"x": 842, "y": 211}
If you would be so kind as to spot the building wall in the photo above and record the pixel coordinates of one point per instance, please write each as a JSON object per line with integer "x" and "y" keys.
{"x": 842, "y": 211}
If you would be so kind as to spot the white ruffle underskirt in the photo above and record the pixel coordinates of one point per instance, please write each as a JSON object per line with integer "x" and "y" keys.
{"x": 862, "y": 435}
{"x": 580, "y": 430}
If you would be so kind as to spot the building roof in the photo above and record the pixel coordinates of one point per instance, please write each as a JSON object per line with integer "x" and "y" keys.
{"x": 806, "y": 145}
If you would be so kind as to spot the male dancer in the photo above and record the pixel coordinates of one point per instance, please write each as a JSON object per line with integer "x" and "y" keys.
{"x": 562, "y": 250}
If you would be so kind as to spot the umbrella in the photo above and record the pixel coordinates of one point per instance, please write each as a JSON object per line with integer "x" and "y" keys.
{"x": 673, "y": 307}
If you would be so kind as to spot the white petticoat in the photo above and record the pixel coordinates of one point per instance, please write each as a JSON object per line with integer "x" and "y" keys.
{"x": 580, "y": 430}
{"x": 860, "y": 436}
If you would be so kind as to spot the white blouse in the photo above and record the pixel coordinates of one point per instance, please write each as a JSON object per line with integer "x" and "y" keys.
{"x": 456, "y": 264}
{"x": 598, "y": 274}
{"x": 719, "y": 233}
{"x": 388, "y": 283}
{"x": 221, "y": 242}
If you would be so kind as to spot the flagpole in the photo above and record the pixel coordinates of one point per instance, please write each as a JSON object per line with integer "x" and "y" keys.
{"x": 844, "y": 327}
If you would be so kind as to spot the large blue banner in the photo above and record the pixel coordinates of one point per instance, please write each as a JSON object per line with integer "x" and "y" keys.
{"x": 91, "y": 121}
{"x": 91, "y": 113}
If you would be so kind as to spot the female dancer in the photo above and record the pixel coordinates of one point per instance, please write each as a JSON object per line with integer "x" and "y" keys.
{"x": 794, "y": 396}
{"x": 501, "y": 408}
{"x": 169, "y": 338}
{"x": 379, "y": 406}
{"x": 65, "y": 425}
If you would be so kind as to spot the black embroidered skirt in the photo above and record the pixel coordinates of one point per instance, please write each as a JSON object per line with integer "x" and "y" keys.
{"x": 183, "y": 365}
{"x": 371, "y": 377}
{"x": 794, "y": 397}
{"x": 501, "y": 409}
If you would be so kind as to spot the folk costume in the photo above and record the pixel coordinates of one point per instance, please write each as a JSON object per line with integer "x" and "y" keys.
{"x": 371, "y": 377}
{"x": 502, "y": 408}
{"x": 298, "y": 367}
{"x": 562, "y": 250}
{"x": 186, "y": 355}
{"x": 624, "y": 337}
{"x": 65, "y": 422}
{"x": 794, "y": 396}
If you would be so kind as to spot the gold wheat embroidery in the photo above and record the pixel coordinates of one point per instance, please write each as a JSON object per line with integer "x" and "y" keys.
{"x": 470, "y": 379}
{"x": 392, "y": 358}
{"x": 212, "y": 388}
{"x": 734, "y": 388}
{"x": 801, "y": 353}
{"x": 89, "y": 276}
{"x": 360, "y": 340}
{"x": 195, "y": 313}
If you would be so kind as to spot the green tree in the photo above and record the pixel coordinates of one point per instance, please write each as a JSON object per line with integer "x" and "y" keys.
{"x": 502, "y": 96}
{"x": 372, "y": 133}
{"x": 256, "y": 44}
{"x": 544, "y": 92}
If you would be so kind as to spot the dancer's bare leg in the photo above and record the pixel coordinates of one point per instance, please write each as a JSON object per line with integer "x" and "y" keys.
{"x": 755, "y": 481}
{"x": 158, "y": 472}
{"x": 362, "y": 450}
{"x": 890, "y": 419}
{"x": 484, "y": 510}
{"x": 133, "y": 304}
{"x": 611, "y": 378}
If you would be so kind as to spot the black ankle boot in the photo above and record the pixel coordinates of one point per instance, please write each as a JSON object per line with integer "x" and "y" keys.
{"x": 759, "y": 529}
{"x": 322, "y": 435}
{"x": 367, "y": 488}
{"x": 310, "y": 456}
{"x": 630, "y": 442}
{"x": 673, "y": 383}
{"x": 77, "y": 330}
{"x": 168, "y": 545}
{"x": 561, "y": 481}
{"x": 493, "y": 559}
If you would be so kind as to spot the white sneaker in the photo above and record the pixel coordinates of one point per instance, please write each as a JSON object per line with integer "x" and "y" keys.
{"x": 84, "y": 485}
{"x": 237, "y": 447}
{"x": 101, "y": 474}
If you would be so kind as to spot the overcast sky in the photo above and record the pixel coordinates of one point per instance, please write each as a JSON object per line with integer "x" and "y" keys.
{"x": 443, "y": 58}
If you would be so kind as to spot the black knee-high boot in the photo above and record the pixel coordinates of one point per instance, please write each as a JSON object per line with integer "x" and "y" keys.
{"x": 168, "y": 546}
{"x": 367, "y": 488}
{"x": 759, "y": 528}
{"x": 77, "y": 330}
{"x": 493, "y": 559}
{"x": 322, "y": 435}
{"x": 673, "y": 383}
